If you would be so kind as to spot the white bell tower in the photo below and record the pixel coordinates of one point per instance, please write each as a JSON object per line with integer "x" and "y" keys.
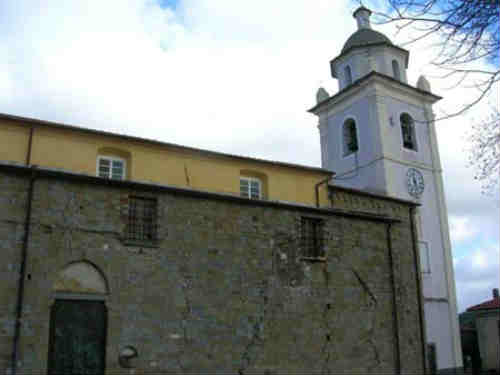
{"x": 377, "y": 133}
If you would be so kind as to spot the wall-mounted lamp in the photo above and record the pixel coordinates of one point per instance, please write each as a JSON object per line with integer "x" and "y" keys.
{"x": 126, "y": 355}
{"x": 391, "y": 121}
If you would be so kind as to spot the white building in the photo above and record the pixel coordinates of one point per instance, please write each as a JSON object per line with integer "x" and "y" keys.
{"x": 377, "y": 134}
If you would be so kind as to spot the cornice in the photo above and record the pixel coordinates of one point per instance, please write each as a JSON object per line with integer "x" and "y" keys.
{"x": 371, "y": 79}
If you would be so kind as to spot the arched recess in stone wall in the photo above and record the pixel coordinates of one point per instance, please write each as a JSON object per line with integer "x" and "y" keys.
{"x": 78, "y": 321}
{"x": 81, "y": 277}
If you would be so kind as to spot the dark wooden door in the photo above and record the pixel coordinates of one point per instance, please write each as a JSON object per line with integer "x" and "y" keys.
{"x": 77, "y": 337}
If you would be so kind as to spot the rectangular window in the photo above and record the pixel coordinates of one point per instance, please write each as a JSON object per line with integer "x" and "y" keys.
{"x": 142, "y": 219}
{"x": 425, "y": 261}
{"x": 111, "y": 167}
{"x": 312, "y": 238}
{"x": 250, "y": 187}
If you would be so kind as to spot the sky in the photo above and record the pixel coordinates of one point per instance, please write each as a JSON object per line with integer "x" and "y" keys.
{"x": 230, "y": 76}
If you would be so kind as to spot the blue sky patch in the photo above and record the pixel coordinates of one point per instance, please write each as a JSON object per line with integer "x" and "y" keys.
{"x": 172, "y": 4}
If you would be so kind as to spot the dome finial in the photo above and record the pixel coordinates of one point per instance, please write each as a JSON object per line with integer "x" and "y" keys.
{"x": 321, "y": 95}
{"x": 362, "y": 16}
{"x": 423, "y": 84}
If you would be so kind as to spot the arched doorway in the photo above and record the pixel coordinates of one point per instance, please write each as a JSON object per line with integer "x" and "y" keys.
{"x": 78, "y": 320}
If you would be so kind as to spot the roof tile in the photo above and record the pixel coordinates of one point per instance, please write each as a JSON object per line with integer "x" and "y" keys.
{"x": 491, "y": 304}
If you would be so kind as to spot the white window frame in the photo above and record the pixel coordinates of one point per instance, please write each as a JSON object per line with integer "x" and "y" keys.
{"x": 249, "y": 181}
{"x": 111, "y": 159}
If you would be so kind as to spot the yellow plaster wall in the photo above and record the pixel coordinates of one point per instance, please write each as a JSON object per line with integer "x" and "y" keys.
{"x": 13, "y": 141}
{"x": 75, "y": 150}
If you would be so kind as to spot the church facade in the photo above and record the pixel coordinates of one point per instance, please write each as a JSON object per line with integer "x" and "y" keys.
{"x": 378, "y": 134}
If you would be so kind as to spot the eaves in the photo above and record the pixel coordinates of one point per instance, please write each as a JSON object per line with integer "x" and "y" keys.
{"x": 39, "y": 172}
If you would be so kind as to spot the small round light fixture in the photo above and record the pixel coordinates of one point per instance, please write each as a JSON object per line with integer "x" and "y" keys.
{"x": 126, "y": 355}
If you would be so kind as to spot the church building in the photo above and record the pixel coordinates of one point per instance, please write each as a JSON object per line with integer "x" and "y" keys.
{"x": 124, "y": 255}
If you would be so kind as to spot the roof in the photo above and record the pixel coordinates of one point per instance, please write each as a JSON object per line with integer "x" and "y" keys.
{"x": 51, "y": 124}
{"x": 491, "y": 304}
{"x": 365, "y": 37}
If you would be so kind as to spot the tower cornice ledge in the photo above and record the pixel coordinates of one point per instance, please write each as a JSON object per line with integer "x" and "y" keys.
{"x": 374, "y": 78}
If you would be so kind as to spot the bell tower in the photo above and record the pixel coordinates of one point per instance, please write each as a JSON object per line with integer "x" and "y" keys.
{"x": 377, "y": 133}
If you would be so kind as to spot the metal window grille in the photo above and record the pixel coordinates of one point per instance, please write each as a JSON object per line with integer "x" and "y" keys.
{"x": 142, "y": 218}
{"x": 312, "y": 237}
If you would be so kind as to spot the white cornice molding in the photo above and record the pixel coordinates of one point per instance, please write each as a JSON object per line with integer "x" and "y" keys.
{"x": 372, "y": 84}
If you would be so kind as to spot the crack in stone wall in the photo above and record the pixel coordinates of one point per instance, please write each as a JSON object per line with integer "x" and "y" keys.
{"x": 256, "y": 341}
{"x": 326, "y": 322}
{"x": 186, "y": 315}
{"x": 365, "y": 287}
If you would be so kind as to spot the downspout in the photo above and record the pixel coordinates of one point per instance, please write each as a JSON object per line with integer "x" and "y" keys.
{"x": 416, "y": 261}
{"x": 22, "y": 272}
{"x": 316, "y": 187}
{"x": 30, "y": 145}
{"x": 394, "y": 303}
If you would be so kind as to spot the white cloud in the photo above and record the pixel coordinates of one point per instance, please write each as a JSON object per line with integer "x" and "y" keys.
{"x": 476, "y": 274}
{"x": 461, "y": 229}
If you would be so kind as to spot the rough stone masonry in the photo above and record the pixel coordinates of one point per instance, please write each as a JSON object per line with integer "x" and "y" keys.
{"x": 225, "y": 288}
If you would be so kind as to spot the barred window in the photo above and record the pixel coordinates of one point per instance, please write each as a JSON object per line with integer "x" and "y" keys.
{"x": 142, "y": 218}
{"x": 312, "y": 238}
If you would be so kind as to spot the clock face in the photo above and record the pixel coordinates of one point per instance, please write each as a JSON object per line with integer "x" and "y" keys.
{"x": 415, "y": 182}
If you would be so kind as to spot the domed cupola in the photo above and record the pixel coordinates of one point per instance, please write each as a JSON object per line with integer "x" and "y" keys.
{"x": 368, "y": 50}
{"x": 363, "y": 38}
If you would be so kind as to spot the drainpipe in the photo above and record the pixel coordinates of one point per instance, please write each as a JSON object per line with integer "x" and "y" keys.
{"x": 394, "y": 303}
{"x": 418, "y": 275}
{"x": 22, "y": 272}
{"x": 30, "y": 145}
{"x": 316, "y": 188}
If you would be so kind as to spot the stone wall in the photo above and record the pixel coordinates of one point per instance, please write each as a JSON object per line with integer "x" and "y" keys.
{"x": 225, "y": 290}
